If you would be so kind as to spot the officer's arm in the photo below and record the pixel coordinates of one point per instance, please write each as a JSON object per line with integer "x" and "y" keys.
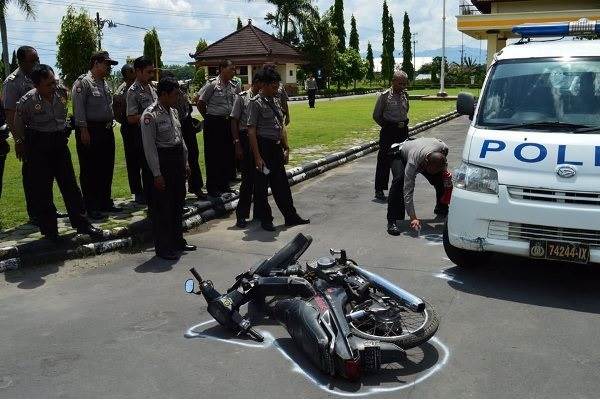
{"x": 78, "y": 95}
{"x": 9, "y": 100}
{"x": 253, "y": 113}
{"x": 133, "y": 116}
{"x": 410, "y": 174}
{"x": 18, "y": 129}
{"x": 235, "y": 115}
{"x": 286, "y": 111}
{"x": 204, "y": 96}
{"x": 378, "y": 112}
{"x": 149, "y": 142}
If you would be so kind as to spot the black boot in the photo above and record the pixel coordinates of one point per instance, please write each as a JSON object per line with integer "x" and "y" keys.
{"x": 393, "y": 228}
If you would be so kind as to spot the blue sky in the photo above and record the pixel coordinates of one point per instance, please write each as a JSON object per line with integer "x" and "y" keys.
{"x": 180, "y": 23}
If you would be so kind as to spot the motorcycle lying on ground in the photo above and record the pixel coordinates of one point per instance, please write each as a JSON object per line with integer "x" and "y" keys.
{"x": 347, "y": 320}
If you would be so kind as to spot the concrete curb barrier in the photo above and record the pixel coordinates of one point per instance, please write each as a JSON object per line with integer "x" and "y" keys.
{"x": 120, "y": 239}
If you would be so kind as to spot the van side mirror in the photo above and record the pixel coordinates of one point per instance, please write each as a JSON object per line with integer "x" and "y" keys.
{"x": 465, "y": 104}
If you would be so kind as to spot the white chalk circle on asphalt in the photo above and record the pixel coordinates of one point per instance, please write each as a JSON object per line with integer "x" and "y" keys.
{"x": 320, "y": 380}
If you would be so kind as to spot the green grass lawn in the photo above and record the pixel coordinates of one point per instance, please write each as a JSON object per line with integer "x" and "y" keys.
{"x": 331, "y": 126}
{"x": 451, "y": 91}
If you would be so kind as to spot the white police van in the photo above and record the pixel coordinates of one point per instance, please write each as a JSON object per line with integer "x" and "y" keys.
{"x": 529, "y": 181}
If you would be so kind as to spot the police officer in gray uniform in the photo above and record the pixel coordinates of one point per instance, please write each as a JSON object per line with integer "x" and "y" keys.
{"x": 140, "y": 95}
{"x": 270, "y": 149}
{"x": 215, "y": 103}
{"x": 239, "y": 129}
{"x": 15, "y": 86}
{"x": 42, "y": 119}
{"x": 391, "y": 114}
{"x": 92, "y": 107}
{"x": 166, "y": 154}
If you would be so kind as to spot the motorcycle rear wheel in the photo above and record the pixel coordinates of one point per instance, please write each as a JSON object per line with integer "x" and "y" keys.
{"x": 411, "y": 330}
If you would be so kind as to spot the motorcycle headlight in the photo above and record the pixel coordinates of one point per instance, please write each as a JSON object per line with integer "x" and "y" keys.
{"x": 476, "y": 179}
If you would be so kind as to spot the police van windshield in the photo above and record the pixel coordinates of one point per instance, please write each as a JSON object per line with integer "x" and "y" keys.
{"x": 542, "y": 94}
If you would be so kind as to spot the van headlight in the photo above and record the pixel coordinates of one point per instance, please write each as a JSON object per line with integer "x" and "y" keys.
{"x": 476, "y": 179}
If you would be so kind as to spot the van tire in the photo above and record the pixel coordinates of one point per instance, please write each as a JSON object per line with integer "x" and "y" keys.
{"x": 462, "y": 257}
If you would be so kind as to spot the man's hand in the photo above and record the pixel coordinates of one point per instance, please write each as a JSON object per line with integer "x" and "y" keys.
{"x": 188, "y": 171}
{"x": 85, "y": 136}
{"x": 415, "y": 224}
{"x": 259, "y": 162}
{"x": 286, "y": 156}
{"x": 239, "y": 151}
{"x": 20, "y": 151}
{"x": 159, "y": 183}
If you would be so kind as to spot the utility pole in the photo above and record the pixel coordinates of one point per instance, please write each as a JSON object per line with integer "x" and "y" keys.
{"x": 414, "y": 37}
{"x": 99, "y": 24}
{"x": 462, "y": 50}
{"x": 442, "y": 92}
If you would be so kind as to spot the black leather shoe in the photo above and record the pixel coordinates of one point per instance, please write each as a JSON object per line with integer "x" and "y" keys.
{"x": 54, "y": 237}
{"x": 296, "y": 220}
{"x": 200, "y": 195}
{"x": 61, "y": 214}
{"x": 113, "y": 209}
{"x": 392, "y": 228}
{"x": 188, "y": 247}
{"x": 139, "y": 198}
{"x": 241, "y": 223}
{"x": 91, "y": 230}
{"x": 215, "y": 194}
{"x": 167, "y": 255}
{"x": 268, "y": 226}
{"x": 380, "y": 196}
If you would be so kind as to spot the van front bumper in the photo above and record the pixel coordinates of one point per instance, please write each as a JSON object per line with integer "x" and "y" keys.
{"x": 501, "y": 224}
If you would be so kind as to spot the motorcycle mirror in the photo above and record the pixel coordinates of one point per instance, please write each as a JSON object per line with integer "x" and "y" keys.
{"x": 189, "y": 286}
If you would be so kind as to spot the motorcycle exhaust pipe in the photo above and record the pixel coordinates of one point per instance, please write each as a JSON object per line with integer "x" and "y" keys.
{"x": 407, "y": 299}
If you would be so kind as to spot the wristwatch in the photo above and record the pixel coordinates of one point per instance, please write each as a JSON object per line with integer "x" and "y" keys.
{"x": 18, "y": 140}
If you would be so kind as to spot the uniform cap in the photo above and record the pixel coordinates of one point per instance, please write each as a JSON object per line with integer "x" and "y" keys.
{"x": 101, "y": 56}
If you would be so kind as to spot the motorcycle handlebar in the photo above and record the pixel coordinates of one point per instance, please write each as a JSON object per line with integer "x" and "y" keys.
{"x": 196, "y": 275}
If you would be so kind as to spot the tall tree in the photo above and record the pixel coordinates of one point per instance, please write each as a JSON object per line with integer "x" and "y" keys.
{"x": 320, "y": 45}
{"x": 152, "y": 48}
{"x": 14, "y": 64}
{"x": 354, "y": 42}
{"x": 391, "y": 47}
{"x": 202, "y": 45}
{"x": 337, "y": 21}
{"x": 370, "y": 73}
{"x": 76, "y": 41}
{"x": 290, "y": 18}
{"x": 26, "y": 7}
{"x": 385, "y": 28}
{"x": 239, "y": 24}
{"x": 407, "y": 54}
{"x": 356, "y": 66}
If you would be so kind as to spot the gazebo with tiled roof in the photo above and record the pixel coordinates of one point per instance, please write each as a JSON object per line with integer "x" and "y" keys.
{"x": 249, "y": 48}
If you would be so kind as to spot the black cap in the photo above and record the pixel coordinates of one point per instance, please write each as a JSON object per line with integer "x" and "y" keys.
{"x": 102, "y": 56}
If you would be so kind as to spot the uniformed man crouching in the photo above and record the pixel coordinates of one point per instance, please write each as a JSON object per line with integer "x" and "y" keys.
{"x": 42, "y": 119}
{"x": 266, "y": 124}
{"x": 166, "y": 155}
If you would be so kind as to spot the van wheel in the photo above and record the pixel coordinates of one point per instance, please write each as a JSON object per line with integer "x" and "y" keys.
{"x": 462, "y": 257}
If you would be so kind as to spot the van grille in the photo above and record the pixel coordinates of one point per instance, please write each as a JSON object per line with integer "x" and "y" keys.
{"x": 526, "y": 232}
{"x": 554, "y": 196}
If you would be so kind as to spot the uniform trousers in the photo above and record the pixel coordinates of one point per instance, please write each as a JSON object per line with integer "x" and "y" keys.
{"x": 396, "y": 209}
{"x": 4, "y": 149}
{"x": 248, "y": 177}
{"x": 217, "y": 149}
{"x": 195, "y": 182}
{"x": 49, "y": 158}
{"x": 96, "y": 165}
{"x": 390, "y": 134}
{"x": 312, "y": 93}
{"x": 271, "y": 152}
{"x": 134, "y": 156}
{"x": 166, "y": 206}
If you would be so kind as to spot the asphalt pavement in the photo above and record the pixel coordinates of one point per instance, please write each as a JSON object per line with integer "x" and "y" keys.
{"x": 122, "y": 326}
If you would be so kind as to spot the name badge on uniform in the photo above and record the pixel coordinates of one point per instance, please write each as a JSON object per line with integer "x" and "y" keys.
{"x": 38, "y": 107}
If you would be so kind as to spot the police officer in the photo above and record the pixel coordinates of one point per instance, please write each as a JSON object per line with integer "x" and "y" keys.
{"x": 184, "y": 112}
{"x": 426, "y": 156}
{"x": 215, "y": 103}
{"x": 282, "y": 95}
{"x": 4, "y": 146}
{"x": 92, "y": 107}
{"x": 15, "y": 86}
{"x": 140, "y": 95}
{"x": 271, "y": 151}
{"x": 41, "y": 119}
{"x": 239, "y": 129}
{"x": 391, "y": 114}
{"x": 311, "y": 89}
{"x": 132, "y": 152}
{"x": 166, "y": 155}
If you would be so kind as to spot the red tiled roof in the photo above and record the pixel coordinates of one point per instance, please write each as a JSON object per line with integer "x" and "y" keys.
{"x": 249, "y": 42}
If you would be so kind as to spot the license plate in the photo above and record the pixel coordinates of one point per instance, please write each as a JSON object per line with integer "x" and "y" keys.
{"x": 560, "y": 251}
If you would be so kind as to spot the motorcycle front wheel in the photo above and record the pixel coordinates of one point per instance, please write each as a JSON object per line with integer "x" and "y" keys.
{"x": 398, "y": 324}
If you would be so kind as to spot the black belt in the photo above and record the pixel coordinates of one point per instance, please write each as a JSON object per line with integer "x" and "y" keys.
{"x": 390, "y": 124}
{"x": 222, "y": 117}
{"x": 98, "y": 124}
{"x": 274, "y": 141}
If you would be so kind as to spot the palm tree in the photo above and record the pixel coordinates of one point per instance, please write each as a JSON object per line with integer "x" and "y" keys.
{"x": 290, "y": 17}
{"x": 25, "y": 6}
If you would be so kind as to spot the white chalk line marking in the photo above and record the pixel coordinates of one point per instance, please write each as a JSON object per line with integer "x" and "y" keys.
{"x": 270, "y": 342}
